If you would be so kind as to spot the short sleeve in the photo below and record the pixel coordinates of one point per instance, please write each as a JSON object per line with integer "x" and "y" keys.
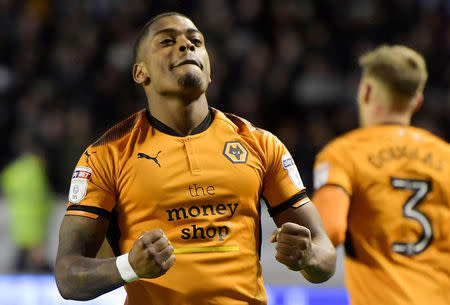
{"x": 282, "y": 187}
{"x": 92, "y": 190}
{"x": 332, "y": 167}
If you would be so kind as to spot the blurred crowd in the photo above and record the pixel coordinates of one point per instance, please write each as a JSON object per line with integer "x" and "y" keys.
{"x": 289, "y": 66}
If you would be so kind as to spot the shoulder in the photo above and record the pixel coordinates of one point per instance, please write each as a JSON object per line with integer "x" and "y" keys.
{"x": 236, "y": 122}
{"x": 425, "y": 135}
{"x": 347, "y": 139}
{"x": 122, "y": 130}
{"x": 245, "y": 128}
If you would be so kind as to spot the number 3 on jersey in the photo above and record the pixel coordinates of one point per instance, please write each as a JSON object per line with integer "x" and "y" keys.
{"x": 420, "y": 190}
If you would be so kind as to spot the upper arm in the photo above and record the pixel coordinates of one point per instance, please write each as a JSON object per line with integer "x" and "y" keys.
{"x": 79, "y": 274}
{"x": 91, "y": 200}
{"x": 333, "y": 204}
{"x": 282, "y": 184}
{"x": 334, "y": 182}
{"x": 80, "y": 236}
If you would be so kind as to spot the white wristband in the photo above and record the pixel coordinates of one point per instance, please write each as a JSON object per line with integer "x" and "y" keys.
{"x": 126, "y": 271}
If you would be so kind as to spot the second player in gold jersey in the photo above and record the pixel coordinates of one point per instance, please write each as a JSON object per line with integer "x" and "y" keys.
{"x": 382, "y": 190}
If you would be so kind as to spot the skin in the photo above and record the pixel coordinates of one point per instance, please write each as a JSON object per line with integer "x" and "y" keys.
{"x": 160, "y": 68}
{"x": 302, "y": 243}
{"x": 173, "y": 51}
{"x": 376, "y": 106}
{"x": 81, "y": 276}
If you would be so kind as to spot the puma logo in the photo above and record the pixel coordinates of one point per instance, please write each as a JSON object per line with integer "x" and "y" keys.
{"x": 155, "y": 158}
{"x": 236, "y": 151}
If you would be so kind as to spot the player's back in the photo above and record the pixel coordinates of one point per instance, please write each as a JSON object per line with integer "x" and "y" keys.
{"x": 398, "y": 236}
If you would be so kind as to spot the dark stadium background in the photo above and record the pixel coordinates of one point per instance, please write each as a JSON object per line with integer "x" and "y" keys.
{"x": 288, "y": 66}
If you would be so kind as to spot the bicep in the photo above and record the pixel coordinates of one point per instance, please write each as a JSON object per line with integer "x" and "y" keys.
{"x": 82, "y": 236}
{"x": 333, "y": 204}
{"x": 78, "y": 274}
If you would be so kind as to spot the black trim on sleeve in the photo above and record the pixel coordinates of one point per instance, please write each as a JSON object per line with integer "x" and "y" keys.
{"x": 113, "y": 234}
{"x": 348, "y": 245}
{"x": 287, "y": 204}
{"x": 98, "y": 211}
{"x": 260, "y": 201}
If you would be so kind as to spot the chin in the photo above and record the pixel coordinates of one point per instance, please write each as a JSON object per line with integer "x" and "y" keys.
{"x": 192, "y": 85}
{"x": 190, "y": 81}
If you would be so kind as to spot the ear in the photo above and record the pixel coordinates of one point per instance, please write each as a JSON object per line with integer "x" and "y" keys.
{"x": 140, "y": 74}
{"x": 418, "y": 101}
{"x": 367, "y": 92}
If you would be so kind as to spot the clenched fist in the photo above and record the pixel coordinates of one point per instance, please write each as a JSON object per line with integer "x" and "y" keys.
{"x": 293, "y": 245}
{"x": 152, "y": 254}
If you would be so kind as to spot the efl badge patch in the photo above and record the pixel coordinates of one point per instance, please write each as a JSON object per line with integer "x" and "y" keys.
{"x": 78, "y": 186}
{"x": 321, "y": 173}
{"x": 235, "y": 152}
{"x": 294, "y": 175}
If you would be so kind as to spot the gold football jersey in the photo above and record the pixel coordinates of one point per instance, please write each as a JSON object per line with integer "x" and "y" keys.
{"x": 202, "y": 190}
{"x": 398, "y": 233}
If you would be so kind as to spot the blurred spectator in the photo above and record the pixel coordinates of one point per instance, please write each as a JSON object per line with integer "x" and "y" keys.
{"x": 63, "y": 66}
{"x": 29, "y": 203}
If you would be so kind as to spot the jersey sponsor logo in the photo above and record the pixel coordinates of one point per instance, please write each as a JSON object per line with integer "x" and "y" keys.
{"x": 288, "y": 162}
{"x": 78, "y": 186}
{"x": 211, "y": 231}
{"x": 321, "y": 173}
{"x": 155, "y": 158}
{"x": 235, "y": 152}
{"x": 212, "y": 217}
{"x": 82, "y": 172}
{"x": 289, "y": 165}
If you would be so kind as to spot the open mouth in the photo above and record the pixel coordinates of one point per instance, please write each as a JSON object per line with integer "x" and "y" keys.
{"x": 188, "y": 62}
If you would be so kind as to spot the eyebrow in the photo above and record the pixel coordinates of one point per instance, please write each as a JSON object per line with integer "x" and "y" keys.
{"x": 172, "y": 30}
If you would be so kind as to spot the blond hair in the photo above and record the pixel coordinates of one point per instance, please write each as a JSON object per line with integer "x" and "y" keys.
{"x": 400, "y": 68}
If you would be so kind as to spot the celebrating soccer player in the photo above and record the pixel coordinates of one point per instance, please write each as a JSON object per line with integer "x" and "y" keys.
{"x": 184, "y": 180}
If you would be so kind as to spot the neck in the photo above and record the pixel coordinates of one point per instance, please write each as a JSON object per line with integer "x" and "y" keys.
{"x": 394, "y": 118}
{"x": 179, "y": 114}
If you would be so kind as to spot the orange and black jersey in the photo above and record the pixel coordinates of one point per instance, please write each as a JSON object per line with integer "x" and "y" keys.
{"x": 398, "y": 233}
{"x": 202, "y": 190}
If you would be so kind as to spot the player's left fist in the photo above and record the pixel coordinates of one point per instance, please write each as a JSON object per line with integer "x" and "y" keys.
{"x": 293, "y": 245}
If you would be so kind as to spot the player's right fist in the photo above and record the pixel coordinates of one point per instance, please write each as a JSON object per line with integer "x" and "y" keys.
{"x": 152, "y": 254}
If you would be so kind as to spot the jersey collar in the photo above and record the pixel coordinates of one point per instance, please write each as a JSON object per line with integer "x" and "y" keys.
{"x": 167, "y": 130}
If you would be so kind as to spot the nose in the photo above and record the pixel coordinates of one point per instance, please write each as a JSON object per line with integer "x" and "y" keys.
{"x": 187, "y": 45}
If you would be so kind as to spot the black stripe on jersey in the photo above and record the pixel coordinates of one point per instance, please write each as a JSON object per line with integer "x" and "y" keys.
{"x": 287, "y": 204}
{"x": 348, "y": 245}
{"x": 98, "y": 211}
{"x": 260, "y": 228}
{"x": 113, "y": 234}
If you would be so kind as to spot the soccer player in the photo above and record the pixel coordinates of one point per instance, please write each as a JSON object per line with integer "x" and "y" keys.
{"x": 184, "y": 180}
{"x": 383, "y": 189}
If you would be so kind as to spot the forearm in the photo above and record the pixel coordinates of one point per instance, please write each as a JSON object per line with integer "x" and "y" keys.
{"x": 84, "y": 278}
{"x": 322, "y": 263}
